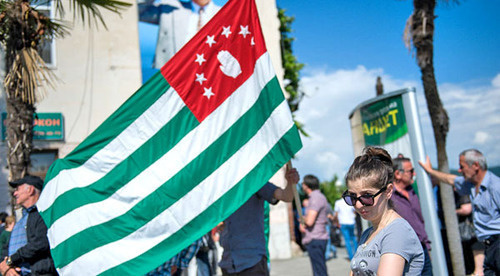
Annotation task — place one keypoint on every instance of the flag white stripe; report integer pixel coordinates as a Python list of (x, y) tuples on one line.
[(141, 130), (205, 194), (163, 169)]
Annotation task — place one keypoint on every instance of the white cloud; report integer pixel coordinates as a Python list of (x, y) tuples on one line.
[(481, 137), (496, 81), (331, 95)]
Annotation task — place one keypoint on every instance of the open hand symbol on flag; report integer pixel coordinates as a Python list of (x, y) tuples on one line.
[(229, 65)]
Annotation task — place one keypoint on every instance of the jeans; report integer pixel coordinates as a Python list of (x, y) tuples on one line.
[(330, 248), (492, 256), (427, 270), (316, 250), (351, 243)]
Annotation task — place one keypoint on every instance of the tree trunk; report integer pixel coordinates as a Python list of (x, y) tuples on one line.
[(422, 30), (19, 138)]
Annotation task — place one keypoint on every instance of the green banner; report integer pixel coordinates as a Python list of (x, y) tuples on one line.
[(384, 121), (46, 126)]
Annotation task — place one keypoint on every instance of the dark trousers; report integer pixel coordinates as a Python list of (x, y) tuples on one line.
[(427, 270), (316, 250), (260, 269), (492, 256), (203, 263)]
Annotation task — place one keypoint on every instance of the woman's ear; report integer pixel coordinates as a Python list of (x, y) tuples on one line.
[(389, 190)]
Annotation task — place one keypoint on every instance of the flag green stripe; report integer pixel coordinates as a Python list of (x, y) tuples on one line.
[(204, 164), (288, 145), (165, 168), (136, 105), (147, 154)]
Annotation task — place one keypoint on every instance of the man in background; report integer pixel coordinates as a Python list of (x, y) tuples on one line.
[(484, 189), (178, 21), (314, 227), (346, 216), (407, 205), (242, 235), (29, 250)]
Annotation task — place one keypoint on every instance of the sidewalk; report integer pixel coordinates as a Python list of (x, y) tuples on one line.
[(300, 266)]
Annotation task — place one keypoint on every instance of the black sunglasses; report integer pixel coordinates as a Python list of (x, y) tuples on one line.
[(366, 199)]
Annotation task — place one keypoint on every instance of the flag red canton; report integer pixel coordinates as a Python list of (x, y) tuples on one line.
[(218, 59)]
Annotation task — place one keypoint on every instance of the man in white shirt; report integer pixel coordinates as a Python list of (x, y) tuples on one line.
[(347, 219), (178, 22)]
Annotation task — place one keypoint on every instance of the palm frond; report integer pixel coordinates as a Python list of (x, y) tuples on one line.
[(407, 33), (29, 77), (85, 10)]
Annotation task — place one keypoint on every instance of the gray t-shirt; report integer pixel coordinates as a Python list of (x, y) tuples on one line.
[(399, 238)]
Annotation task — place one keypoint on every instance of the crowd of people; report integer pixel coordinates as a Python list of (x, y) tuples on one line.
[(378, 188)]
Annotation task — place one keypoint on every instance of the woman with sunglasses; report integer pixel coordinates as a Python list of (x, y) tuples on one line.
[(390, 246)]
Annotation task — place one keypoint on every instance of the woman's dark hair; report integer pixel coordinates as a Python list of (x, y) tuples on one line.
[(374, 166)]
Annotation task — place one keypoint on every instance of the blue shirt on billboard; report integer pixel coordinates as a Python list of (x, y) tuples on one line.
[(485, 204)]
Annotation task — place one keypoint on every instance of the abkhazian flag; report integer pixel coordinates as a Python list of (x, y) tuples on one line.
[(180, 155)]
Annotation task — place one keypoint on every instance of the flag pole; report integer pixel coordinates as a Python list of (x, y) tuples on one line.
[(298, 205)]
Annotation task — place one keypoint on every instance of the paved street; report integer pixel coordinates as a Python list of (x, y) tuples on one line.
[(300, 266)]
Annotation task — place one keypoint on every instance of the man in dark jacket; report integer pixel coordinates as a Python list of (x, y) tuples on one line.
[(29, 250)]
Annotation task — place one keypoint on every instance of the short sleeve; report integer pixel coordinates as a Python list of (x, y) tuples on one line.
[(267, 193), (494, 187), (402, 240), (336, 208), (464, 199), (315, 203), (461, 186)]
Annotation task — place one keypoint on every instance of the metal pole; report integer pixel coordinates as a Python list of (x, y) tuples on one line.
[(425, 190)]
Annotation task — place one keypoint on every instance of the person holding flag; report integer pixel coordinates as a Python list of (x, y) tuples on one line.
[(182, 154), (242, 234)]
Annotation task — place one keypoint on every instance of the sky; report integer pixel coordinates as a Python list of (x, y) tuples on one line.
[(345, 45)]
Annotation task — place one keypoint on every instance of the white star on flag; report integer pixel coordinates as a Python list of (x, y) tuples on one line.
[(244, 31), (208, 92), (210, 40), (200, 78), (226, 31), (200, 59)]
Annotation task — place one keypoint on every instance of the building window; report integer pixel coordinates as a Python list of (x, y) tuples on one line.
[(41, 161), (47, 49)]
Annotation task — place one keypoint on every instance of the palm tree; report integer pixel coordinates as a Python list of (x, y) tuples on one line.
[(420, 32), (23, 29)]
